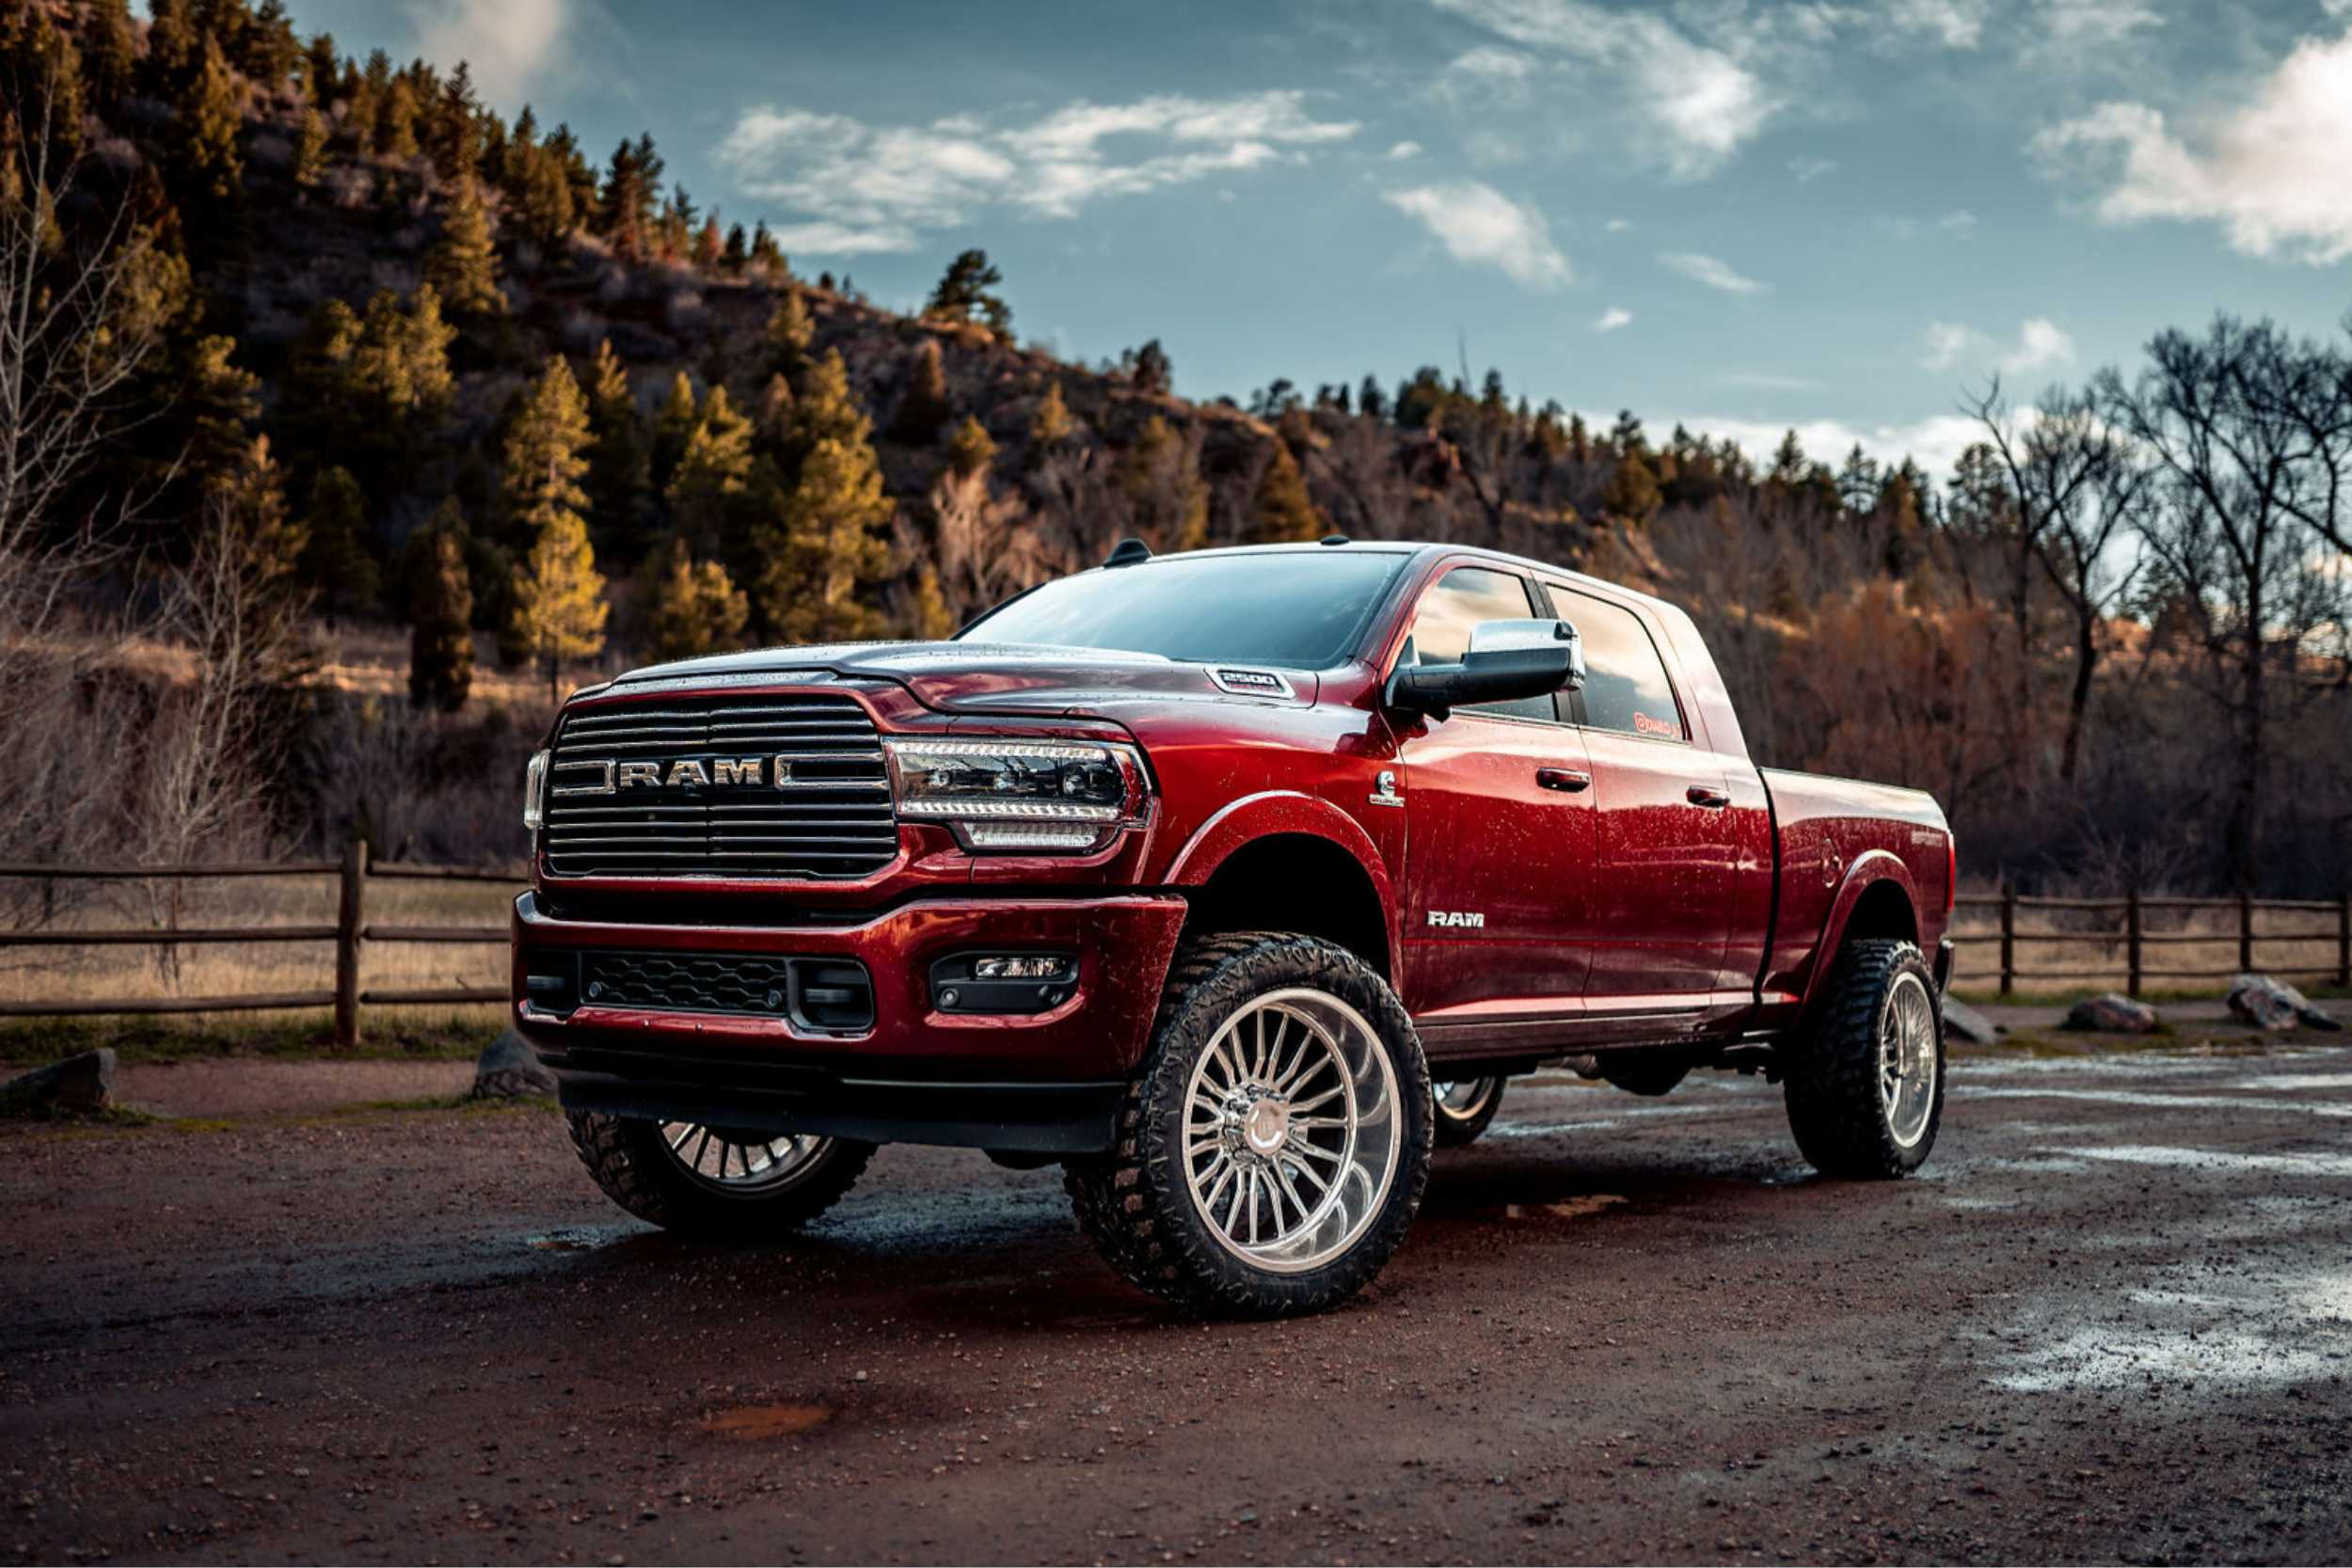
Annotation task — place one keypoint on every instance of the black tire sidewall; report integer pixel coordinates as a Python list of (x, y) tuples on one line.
[(1835, 1106), (631, 1162), (1455, 1130)]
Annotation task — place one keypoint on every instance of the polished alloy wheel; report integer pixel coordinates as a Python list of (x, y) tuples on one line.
[(1292, 1130), (734, 1162), (1907, 1060)]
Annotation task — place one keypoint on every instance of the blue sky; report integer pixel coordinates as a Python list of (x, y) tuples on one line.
[(1741, 217)]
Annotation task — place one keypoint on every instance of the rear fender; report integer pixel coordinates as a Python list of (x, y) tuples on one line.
[(1869, 869)]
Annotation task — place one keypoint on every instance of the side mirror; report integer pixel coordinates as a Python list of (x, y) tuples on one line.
[(1508, 659)]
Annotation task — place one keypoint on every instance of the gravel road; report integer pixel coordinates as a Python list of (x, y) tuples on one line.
[(2113, 1321)]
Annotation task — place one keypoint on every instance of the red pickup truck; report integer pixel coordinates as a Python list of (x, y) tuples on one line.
[(1234, 881)]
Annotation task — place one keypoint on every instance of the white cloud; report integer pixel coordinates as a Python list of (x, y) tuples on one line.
[(1480, 226), (1809, 169), (2041, 345), (2271, 171), (1700, 102), (1954, 23), (507, 43), (1766, 381), (1960, 225), (1613, 318), (1624, 226), (1403, 151), (2075, 23), (869, 188), (1707, 270), (1935, 443)]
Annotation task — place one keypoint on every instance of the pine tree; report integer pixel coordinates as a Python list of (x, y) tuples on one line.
[(321, 72), (619, 465), (171, 49), (738, 254), (1051, 425), (928, 619), (1162, 480), (969, 449), (42, 71), (396, 121), (788, 334), (711, 474), (267, 50), (211, 172), (966, 292), (674, 425), (708, 247), (820, 571), (441, 641), (109, 51), (455, 136), (334, 561), (825, 411), (691, 609), (213, 405), (546, 457), (463, 263), (923, 407), (558, 611), (309, 162), (1280, 511), (1631, 496), (1153, 372), (768, 256)]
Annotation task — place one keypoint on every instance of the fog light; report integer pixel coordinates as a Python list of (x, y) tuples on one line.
[(1022, 966), (1003, 982)]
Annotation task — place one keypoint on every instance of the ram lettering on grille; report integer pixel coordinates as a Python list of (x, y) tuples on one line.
[(790, 786)]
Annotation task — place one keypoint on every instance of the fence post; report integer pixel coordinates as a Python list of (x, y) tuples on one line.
[(2131, 936), (2008, 938), (2344, 940), (347, 919), (2245, 933)]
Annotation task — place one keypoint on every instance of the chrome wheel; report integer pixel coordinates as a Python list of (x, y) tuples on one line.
[(1466, 1098), (734, 1162), (1292, 1130), (1907, 1060)]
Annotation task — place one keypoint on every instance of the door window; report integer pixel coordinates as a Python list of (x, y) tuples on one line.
[(1463, 598), (1626, 687)]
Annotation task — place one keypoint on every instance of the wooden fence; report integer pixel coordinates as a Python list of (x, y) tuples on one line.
[(350, 930), (2331, 923)]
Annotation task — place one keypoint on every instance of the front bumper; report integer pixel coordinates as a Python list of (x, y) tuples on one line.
[(1047, 1082)]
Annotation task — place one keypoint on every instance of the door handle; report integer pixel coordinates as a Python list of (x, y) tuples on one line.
[(1568, 779), (1708, 795)]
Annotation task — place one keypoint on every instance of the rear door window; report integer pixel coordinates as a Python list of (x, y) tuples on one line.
[(1626, 687)]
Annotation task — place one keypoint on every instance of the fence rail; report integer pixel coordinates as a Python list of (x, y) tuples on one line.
[(2136, 939), (349, 933)]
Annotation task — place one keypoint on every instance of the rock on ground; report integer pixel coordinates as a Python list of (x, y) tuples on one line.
[(83, 1083), (2270, 1004), (508, 1068), (1969, 1025), (2112, 1014)]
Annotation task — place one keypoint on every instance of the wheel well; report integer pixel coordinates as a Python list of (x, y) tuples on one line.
[(1883, 910), (1294, 883)]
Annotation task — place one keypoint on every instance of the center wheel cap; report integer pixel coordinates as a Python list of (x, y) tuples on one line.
[(1265, 1125)]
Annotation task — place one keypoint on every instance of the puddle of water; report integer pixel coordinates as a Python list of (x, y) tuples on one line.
[(750, 1423), (2253, 1336), (1543, 1128), (2290, 1083), (2222, 1161), (2166, 1101), (1568, 1209)]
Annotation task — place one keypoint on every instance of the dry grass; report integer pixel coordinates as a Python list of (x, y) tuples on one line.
[(2093, 945)]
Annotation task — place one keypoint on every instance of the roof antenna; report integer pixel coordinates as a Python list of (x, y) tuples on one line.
[(1129, 553)]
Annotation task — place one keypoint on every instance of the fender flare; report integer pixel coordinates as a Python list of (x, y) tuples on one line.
[(1278, 812), (1869, 869)]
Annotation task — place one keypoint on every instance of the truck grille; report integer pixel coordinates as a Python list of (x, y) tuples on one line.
[(816, 993), (790, 786)]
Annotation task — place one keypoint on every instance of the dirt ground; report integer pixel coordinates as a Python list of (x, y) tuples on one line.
[(2113, 1322)]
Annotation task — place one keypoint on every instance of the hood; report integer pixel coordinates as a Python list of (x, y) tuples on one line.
[(992, 677)]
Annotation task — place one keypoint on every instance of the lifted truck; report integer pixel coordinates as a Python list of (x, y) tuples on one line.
[(1192, 872)]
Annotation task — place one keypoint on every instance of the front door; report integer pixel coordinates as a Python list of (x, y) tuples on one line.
[(1666, 849), (1500, 836)]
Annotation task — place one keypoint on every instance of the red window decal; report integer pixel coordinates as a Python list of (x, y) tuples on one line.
[(1645, 725)]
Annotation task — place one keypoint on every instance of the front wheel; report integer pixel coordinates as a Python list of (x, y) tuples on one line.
[(714, 1182), (1274, 1148), (1866, 1086), (1465, 1108)]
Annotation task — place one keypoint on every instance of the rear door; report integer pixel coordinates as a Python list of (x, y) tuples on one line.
[(1665, 839), (1500, 832)]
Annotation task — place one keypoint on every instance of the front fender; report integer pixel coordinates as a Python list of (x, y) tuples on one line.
[(1869, 869), (1283, 810)]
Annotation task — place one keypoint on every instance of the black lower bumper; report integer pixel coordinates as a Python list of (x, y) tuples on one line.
[(1037, 1118)]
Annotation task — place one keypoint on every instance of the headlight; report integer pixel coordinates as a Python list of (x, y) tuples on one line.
[(1054, 796), (536, 791)]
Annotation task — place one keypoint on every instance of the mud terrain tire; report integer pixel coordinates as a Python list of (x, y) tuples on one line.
[(1461, 1125), (630, 1160), (1848, 1120)]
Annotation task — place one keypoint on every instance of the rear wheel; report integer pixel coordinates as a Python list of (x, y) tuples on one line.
[(716, 1181), (1273, 1149), (1465, 1107), (1865, 1087)]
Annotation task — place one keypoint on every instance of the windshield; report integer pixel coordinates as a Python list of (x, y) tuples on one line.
[(1294, 611)]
